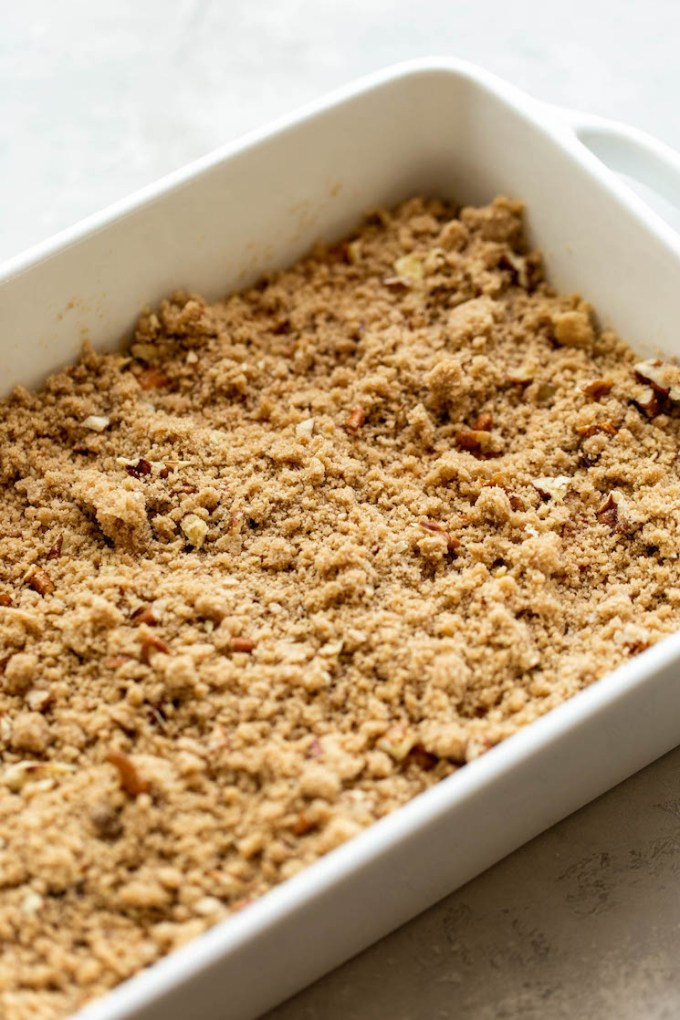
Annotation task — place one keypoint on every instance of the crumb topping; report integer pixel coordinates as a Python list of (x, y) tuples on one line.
[(292, 559)]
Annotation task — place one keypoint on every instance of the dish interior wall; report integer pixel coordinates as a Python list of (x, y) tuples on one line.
[(436, 131)]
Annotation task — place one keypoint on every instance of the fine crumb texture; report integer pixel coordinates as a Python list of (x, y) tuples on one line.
[(298, 556)]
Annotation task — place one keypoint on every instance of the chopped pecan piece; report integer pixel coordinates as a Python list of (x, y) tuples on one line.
[(147, 352), (598, 388), (483, 423), (5, 599), (39, 580), (23, 772), (397, 741), (663, 376), (194, 527), (355, 419), (144, 614), (240, 644), (38, 699), (156, 717), (304, 428), (234, 522), (618, 514), (516, 502), (153, 379), (410, 269), (649, 401), (96, 422), (474, 440), (429, 525), (116, 661), (142, 467), (553, 488), (151, 643), (303, 824), (609, 512), (586, 431), (421, 758), (518, 265), (613, 513), (55, 551), (130, 780), (521, 376), (452, 543)]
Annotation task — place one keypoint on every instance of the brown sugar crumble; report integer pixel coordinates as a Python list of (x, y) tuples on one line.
[(296, 557)]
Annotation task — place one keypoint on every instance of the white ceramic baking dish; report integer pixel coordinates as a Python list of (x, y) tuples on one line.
[(433, 126)]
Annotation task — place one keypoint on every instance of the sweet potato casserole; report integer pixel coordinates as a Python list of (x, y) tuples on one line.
[(293, 558)]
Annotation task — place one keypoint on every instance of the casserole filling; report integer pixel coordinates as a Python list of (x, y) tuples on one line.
[(293, 558)]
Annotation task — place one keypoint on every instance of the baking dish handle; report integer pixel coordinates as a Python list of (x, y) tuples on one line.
[(649, 166)]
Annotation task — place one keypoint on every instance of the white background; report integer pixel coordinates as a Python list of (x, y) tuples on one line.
[(99, 99)]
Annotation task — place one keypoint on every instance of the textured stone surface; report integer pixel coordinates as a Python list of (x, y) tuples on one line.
[(580, 923), (97, 100)]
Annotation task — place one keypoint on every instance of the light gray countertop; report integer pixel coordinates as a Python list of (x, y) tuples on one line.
[(99, 99), (580, 924)]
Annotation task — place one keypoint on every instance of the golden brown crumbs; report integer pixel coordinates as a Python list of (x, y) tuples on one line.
[(297, 557)]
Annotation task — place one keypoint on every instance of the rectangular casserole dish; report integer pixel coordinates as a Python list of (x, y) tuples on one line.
[(433, 127)]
